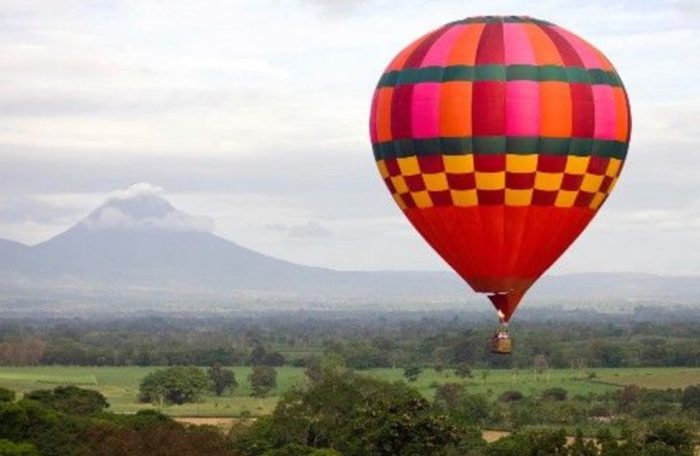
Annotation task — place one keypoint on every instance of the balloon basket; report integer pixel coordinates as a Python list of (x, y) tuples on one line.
[(501, 344)]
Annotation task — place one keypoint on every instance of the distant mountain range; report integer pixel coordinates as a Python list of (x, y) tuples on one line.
[(138, 251)]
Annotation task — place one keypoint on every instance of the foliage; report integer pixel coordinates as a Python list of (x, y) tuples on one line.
[(7, 395), (412, 373), (174, 385), (356, 416), (555, 394), (690, 400), (262, 380), (318, 368), (8, 448), (511, 396), (221, 379), (70, 399), (462, 370)]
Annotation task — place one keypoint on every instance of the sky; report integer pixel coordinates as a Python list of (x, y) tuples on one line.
[(254, 113)]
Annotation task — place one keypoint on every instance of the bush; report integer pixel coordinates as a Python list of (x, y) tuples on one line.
[(511, 396), (555, 394)]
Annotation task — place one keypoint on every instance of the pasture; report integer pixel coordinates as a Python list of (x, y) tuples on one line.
[(120, 384)]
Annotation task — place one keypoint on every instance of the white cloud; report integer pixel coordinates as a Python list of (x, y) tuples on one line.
[(110, 218), (138, 189)]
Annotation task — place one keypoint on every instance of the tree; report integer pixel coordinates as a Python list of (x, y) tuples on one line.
[(690, 400), (175, 385), (412, 373), (262, 380), (356, 416), (463, 371), (221, 379), (70, 399)]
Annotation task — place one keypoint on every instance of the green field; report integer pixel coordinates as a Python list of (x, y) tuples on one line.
[(120, 384)]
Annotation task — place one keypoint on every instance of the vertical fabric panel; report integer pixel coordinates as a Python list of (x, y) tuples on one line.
[(621, 115), (522, 108), (383, 115), (555, 109), (490, 50), (455, 109), (517, 47), (425, 110), (604, 124), (545, 51), (401, 111), (464, 50), (440, 51)]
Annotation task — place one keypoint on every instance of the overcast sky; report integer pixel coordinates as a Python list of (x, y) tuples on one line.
[(254, 113)]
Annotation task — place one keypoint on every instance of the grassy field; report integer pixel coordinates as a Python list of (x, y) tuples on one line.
[(120, 384)]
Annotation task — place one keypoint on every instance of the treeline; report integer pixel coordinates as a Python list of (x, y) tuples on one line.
[(367, 341), (336, 413)]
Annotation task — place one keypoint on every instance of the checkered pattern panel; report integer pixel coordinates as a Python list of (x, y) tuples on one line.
[(510, 179)]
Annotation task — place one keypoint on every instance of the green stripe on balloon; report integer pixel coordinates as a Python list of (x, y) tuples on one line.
[(519, 145), (469, 73)]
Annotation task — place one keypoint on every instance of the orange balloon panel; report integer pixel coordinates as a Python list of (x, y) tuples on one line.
[(500, 138)]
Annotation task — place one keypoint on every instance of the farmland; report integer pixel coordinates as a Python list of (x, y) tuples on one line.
[(120, 384)]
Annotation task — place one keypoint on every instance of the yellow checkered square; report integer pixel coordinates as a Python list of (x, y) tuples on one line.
[(399, 201), (576, 165), (435, 182), (591, 182), (490, 181), (613, 167), (597, 200), (518, 197), (422, 199), (565, 198), (458, 164), (521, 163), (399, 184), (548, 181), (409, 165), (382, 169), (464, 198)]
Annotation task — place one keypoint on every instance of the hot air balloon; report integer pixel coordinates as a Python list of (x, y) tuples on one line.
[(500, 137)]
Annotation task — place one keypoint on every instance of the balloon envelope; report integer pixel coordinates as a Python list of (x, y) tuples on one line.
[(500, 138)]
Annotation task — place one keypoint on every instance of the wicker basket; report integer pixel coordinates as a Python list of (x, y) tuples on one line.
[(501, 345)]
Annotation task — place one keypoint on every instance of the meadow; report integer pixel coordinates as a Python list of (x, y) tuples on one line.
[(120, 384)]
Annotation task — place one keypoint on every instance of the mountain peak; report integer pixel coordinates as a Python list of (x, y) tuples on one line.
[(141, 207)]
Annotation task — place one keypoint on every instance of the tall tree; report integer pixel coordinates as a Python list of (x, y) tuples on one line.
[(262, 380), (221, 379)]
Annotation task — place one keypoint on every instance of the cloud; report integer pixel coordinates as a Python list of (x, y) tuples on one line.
[(110, 218), (135, 190), (312, 229)]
